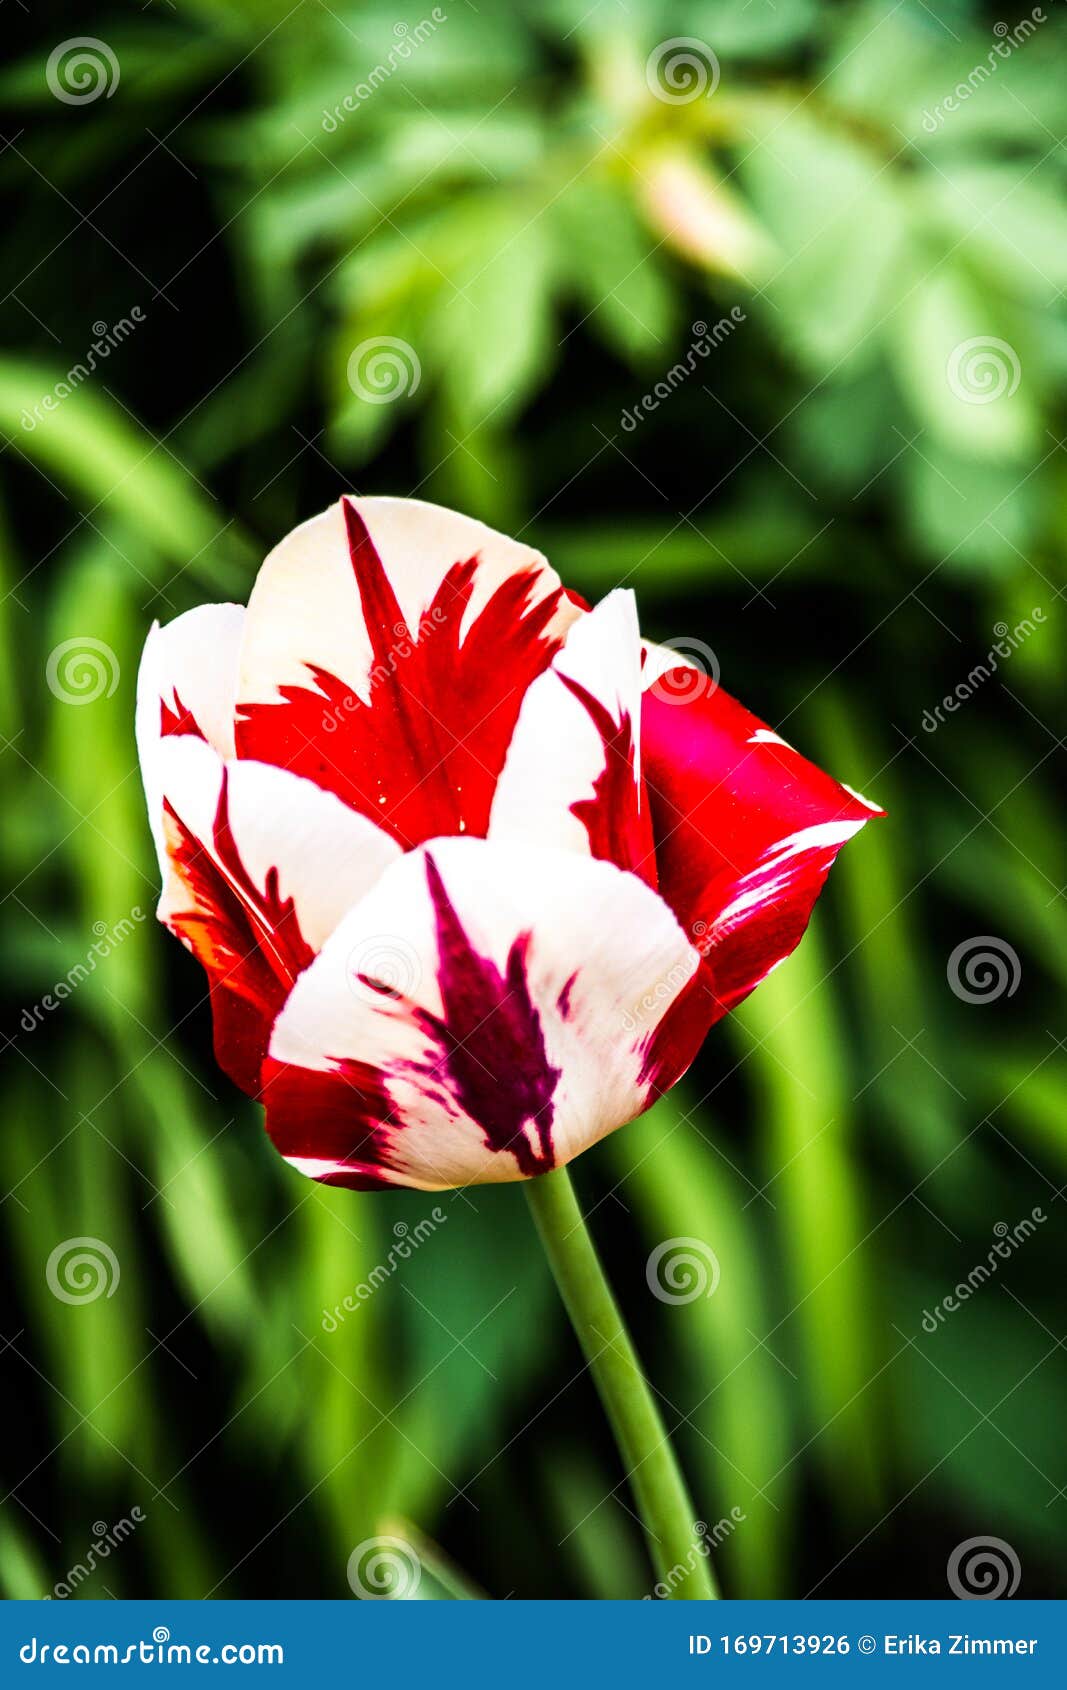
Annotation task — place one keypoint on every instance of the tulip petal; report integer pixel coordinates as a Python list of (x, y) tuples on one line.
[(187, 684), (572, 776), (261, 867), (746, 831), (388, 646), (483, 1015)]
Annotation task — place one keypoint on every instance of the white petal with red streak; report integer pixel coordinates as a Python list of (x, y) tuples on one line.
[(305, 606), (556, 752), (188, 665), (327, 857), (605, 959)]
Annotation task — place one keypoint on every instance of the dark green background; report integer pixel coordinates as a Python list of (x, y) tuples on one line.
[(817, 504)]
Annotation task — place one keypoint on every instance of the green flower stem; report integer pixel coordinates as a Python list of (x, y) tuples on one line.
[(652, 1468)]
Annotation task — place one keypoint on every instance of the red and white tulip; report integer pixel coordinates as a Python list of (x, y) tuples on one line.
[(470, 867)]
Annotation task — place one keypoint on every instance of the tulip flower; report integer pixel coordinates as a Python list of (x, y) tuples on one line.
[(471, 869)]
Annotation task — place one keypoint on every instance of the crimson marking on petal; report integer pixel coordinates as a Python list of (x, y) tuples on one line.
[(615, 818), (248, 940), (339, 1117), (563, 1002), (491, 1038), (178, 719), (421, 757)]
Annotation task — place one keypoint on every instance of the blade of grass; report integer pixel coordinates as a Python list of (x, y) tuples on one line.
[(793, 1050), (742, 1396)]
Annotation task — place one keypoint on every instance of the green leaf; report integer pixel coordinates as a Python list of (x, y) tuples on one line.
[(23, 1576), (122, 472), (494, 332), (840, 220), (611, 266), (738, 1390), (1014, 229), (966, 376), (793, 1046), (969, 516)]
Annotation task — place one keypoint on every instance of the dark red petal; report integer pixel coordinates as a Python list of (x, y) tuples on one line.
[(746, 831)]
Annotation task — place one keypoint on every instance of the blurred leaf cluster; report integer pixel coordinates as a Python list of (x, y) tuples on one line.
[(848, 498)]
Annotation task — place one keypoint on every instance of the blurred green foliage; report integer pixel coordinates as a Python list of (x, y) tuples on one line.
[(847, 498)]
